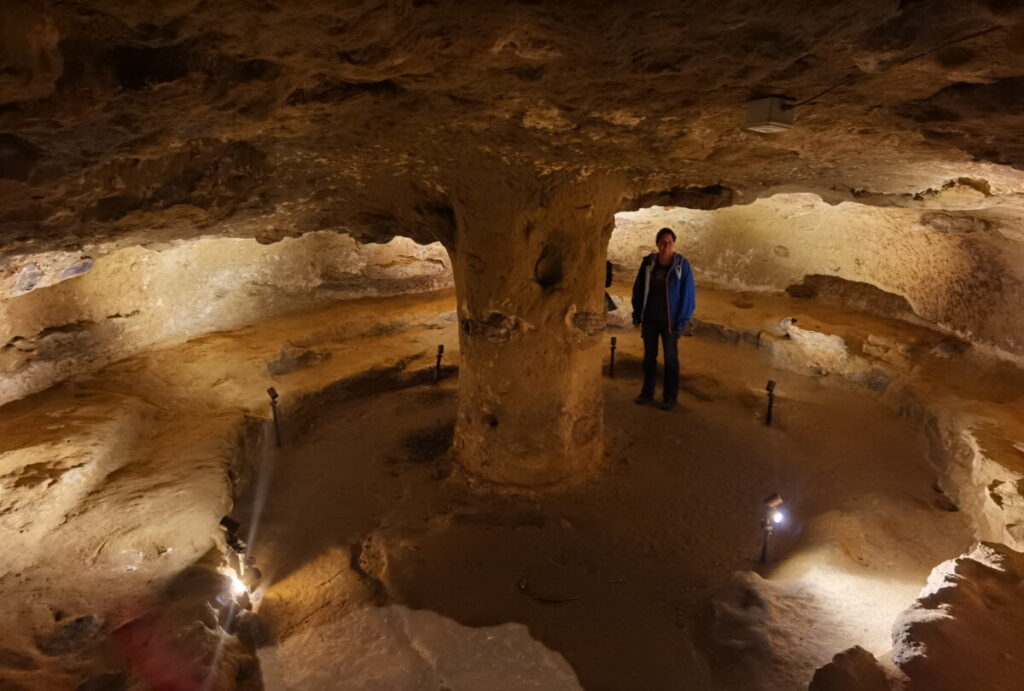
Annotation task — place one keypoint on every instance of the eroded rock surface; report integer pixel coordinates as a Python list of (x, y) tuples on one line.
[(111, 490), (854, 669), (398, 648), (531, 313), (207, 385), (834, 580), (965, 630), (890, 262), (165, 120), (76, 316), (484, 128), (977, 450), (154, 123)]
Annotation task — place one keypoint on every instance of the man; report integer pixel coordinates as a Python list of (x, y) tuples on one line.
[(663, 302)]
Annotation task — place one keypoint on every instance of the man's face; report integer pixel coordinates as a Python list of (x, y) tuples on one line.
[(666, 245)]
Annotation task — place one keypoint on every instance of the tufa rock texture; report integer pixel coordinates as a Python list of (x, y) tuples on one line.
[(960, 271), (77, 316), (399, 648), (531, 316), (975, 597), (854, 669), (511, 135), (169, 119)]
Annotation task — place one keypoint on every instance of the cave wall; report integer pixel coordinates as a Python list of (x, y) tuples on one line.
[(137, 298), (961, 271)]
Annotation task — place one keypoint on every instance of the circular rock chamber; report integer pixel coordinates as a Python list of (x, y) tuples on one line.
[(318, 367)]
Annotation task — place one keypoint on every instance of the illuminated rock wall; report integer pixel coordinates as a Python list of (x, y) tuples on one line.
[(137, 298), (960, 270)]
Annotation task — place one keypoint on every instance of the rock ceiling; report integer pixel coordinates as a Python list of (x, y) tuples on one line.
[(145, 121)]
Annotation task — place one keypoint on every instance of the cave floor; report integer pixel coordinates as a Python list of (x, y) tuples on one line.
[(616, 572), (114, 482)]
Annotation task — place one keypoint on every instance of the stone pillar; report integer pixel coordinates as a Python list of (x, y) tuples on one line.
[(528, 257)]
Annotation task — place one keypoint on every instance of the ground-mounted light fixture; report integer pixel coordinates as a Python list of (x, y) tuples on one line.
[(437, 367), (272, 392), (770, 114), (774, 516), (241, 571)]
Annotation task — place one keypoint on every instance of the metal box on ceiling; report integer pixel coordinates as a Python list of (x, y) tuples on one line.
[(770, 114)]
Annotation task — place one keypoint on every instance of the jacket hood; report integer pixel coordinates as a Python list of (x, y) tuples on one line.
[(677, 258)]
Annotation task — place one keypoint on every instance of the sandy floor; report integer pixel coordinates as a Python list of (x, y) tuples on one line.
[(644, 576), (616, 574)]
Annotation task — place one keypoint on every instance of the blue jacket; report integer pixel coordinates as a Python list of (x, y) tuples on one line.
[(679, 284)]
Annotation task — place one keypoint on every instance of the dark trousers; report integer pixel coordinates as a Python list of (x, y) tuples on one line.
[(651, 333)]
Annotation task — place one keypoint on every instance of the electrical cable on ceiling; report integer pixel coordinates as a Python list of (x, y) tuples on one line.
[(850, 79), (847, 79)]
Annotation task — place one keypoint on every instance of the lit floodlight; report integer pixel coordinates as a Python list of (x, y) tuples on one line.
[(237, 586), (774, 515)]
